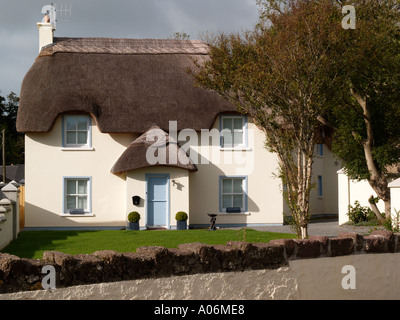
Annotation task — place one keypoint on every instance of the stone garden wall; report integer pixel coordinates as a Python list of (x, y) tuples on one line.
[(17, 274)]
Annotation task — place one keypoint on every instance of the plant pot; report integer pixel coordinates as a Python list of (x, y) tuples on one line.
[(181, 225), (133, 226)]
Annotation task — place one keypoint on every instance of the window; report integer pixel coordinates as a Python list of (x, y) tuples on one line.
[(233, 131), (77, 195), (320, 193), (77, 131), (233, 194), (320, 150)]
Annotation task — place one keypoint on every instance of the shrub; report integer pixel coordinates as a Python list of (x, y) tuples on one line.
[(181, 216), (393, 223), (134, 216), (358, 214)]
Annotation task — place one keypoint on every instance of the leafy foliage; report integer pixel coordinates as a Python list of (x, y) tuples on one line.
[(358, 213), (367, 114), (280, 76), (181, 216), (133, 216), (14, 141)]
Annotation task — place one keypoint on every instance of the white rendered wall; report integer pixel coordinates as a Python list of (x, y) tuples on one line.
[(265, 200), (46, 164), (351, 191), (178, 192), (327, 167)]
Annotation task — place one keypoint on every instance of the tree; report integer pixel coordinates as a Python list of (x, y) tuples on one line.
[(14, 141), (280, 76), (366, 119)]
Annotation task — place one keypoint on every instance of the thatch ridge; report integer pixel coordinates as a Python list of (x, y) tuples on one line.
[(125, 46)]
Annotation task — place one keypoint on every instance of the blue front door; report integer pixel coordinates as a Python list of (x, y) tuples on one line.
[(157, 200)]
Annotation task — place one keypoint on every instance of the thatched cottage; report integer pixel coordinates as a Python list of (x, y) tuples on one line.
[(117, 125)]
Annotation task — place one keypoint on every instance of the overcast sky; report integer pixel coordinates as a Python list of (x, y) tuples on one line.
[(111, 18)]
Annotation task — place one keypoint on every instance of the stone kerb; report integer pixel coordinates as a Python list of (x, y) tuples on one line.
[(17, 274)]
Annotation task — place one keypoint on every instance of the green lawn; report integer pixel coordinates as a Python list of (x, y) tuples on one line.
[(32, 244)]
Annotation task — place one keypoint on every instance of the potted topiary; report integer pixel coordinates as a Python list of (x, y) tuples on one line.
[(181, 220), (133, 220)]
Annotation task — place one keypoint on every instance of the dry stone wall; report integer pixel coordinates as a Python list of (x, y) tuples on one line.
[(18, 274)]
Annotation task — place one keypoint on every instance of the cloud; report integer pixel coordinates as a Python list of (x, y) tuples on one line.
[(117, 18)]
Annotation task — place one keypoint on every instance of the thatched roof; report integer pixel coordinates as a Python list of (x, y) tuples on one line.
[(153, 148), (125, 84)]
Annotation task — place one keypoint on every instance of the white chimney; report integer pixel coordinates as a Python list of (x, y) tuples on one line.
[(47, 26), (46, 32)]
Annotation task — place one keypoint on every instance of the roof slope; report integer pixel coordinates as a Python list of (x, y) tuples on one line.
[(125, 84), (153, 148)]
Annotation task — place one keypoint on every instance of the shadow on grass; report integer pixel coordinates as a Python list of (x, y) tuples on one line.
[(32, 244), (29, 243)]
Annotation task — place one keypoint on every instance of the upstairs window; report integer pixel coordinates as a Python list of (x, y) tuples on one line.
[(233, 131), (77, 131)]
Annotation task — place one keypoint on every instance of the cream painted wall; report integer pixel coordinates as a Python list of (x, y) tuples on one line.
[(395, 200), (351, 191), (265, 201), (46, 164), (327, 167), (178, 192)]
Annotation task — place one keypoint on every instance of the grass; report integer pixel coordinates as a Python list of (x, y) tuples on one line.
[(32, 244)]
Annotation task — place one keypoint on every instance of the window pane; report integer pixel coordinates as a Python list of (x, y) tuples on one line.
[(71, 137), (226, 201), (71, 123), (71, 187), (238, 201), (237, 186), (237, 138), (227, 185), (71, 203), (227, 136), (82, 123), (82, 187), (238, 123), (227, 123), (82, 203), (320, 186), (320, 149), (82, 137)]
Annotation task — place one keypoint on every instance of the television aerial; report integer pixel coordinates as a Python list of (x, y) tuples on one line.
[(50, 13)]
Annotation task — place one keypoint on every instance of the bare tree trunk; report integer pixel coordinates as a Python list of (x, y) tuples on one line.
[(296, 174), (304, 232), (377, 180)]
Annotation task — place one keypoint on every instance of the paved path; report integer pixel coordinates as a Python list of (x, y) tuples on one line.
[(329, 228)]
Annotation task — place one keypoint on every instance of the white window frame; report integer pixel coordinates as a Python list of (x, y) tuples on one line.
[(243, 193), (88, 195), (77, 146), (243, 130)]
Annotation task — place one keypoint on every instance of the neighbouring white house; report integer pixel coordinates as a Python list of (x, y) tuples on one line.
[(117, 125), (350, 191)]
